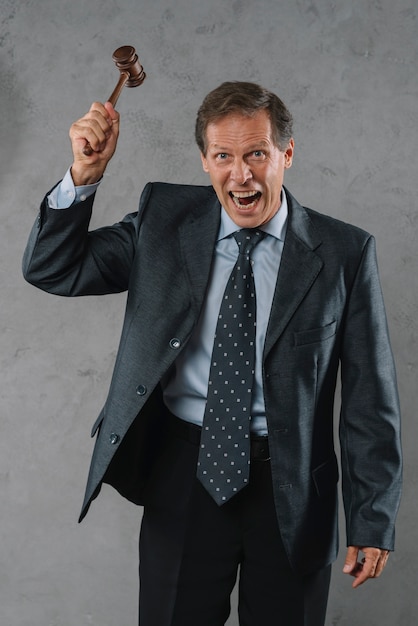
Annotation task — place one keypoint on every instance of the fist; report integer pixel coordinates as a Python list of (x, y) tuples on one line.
[(100, 129)]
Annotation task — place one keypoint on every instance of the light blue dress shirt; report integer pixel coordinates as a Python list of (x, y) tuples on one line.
[(185, 385), (65, 194)]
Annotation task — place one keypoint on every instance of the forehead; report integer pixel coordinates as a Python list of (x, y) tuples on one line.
[(237, 128)]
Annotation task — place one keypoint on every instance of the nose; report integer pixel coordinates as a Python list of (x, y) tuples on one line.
[(241, 172)]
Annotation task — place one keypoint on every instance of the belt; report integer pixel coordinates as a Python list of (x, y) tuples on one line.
[(191, 433)]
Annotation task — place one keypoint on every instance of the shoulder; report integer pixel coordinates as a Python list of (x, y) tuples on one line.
[(327, 221), (326, 227), (166, 206), (177, 193), (338, 230)]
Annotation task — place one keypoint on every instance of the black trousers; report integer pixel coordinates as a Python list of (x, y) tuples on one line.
[(191, 551)]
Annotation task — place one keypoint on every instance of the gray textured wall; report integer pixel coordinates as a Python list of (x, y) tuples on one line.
[(348, 71)]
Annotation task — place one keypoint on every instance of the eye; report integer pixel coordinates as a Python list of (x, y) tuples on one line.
[(222, 156), (257, 156)]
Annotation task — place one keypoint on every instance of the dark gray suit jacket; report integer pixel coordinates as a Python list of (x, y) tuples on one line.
[(327, 312)]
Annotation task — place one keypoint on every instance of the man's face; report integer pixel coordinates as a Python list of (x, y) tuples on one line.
[(245, 167)]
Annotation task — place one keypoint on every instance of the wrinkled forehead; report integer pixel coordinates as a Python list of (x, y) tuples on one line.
[(240, 127)]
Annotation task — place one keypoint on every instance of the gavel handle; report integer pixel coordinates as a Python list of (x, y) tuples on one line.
[(123, 78)]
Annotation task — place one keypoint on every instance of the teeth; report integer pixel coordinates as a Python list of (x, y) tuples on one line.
[(244, 194), (241, 198), (245, 199)]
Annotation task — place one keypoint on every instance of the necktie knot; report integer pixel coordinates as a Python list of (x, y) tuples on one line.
[(247, 239)]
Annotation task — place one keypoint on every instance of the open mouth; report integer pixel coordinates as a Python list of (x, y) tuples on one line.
[(246, 199)]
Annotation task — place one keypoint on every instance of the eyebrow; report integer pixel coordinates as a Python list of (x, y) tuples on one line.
[(255, 146)]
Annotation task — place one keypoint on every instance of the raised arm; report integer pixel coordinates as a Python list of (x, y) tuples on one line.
[(62, 256)]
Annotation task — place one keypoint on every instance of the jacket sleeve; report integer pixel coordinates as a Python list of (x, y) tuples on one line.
[(63, 257), (370, 415)]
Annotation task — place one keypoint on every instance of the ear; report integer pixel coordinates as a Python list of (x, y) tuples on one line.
[(204, 162), (288, 154)]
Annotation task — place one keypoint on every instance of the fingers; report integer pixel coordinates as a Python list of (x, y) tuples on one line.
[(96, 127), (99, 129), (352, 565), (381, 563), (371, 565), (351, 559)]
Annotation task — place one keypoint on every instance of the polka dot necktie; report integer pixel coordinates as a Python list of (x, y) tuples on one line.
[(224, 456)]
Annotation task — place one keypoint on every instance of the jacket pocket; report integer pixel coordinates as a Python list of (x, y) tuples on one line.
[(314, 335), (325, 476)]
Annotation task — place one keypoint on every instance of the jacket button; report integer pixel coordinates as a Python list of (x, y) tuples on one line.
[(141, 390), (113, 438), (175, 343)]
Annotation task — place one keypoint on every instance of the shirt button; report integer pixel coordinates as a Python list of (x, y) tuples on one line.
[(141, 390), (175, 343), (113, 438), (83, 197)]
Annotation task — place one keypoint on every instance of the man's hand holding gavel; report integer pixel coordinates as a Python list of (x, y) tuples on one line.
[(100, 128), (94, 136)]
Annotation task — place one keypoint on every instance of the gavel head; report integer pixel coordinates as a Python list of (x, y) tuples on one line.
[(126, 60)]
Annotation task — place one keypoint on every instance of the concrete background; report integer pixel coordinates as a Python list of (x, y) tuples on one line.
[(348, 71)]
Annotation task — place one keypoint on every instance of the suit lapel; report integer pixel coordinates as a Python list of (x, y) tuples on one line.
[(197, 240), (299, 268)]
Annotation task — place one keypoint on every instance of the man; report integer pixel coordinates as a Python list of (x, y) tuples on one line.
[(222, 490)]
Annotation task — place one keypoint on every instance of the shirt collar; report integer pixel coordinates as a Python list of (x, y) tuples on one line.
[(276, 226)]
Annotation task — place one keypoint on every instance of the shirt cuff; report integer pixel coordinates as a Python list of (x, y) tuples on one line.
[(66, 194)]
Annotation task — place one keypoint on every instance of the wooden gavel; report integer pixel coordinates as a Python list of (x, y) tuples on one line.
[(131, 74)]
